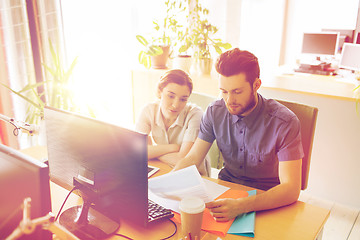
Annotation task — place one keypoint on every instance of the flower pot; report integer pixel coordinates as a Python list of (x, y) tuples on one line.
[(183, 62), (160, 61), (202, 66)]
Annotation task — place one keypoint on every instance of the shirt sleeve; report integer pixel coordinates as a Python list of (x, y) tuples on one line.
[(206, 126), (290, 147), (193, 124), (143, 123)]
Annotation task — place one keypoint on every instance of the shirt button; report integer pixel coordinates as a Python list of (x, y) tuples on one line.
[(241, 149), (241, 131)]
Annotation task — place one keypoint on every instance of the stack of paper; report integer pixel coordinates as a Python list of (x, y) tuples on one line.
[(167, 190)]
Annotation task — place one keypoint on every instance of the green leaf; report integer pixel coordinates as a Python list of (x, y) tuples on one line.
[(55, 58), (142, 40), (227, 45), (49, 69), (154, 50), (140, 57), (218, 49), (183, 48), (23, 97), (32, 86), (147, 62), (41, 103), (144, 59)]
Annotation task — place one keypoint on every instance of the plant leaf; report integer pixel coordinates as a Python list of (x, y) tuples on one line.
[(147, 62), (23, 97), (218, 49), (183, 48), (32, 86), (154, 50), (142, 40)]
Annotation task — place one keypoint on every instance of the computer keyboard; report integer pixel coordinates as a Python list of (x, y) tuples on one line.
[(313, 71), (157, 212)]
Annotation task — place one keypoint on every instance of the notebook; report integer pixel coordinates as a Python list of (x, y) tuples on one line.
[(152, 170)]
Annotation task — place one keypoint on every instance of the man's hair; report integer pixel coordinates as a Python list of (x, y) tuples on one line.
[(236, 61), (175, 76)]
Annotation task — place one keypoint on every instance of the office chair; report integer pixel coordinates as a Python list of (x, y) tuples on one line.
[(203, 100), (307, 116)]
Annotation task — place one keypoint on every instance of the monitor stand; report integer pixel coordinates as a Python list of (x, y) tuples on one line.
[(87, 223)]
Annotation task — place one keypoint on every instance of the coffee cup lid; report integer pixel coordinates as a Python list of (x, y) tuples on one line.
[(192, 205)]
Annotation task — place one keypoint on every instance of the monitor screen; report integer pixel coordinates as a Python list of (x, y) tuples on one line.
[(109, 160), (346, 35), (21, 177), (320, 44), (350, 57)]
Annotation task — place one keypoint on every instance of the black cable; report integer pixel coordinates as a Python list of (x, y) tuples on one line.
[(57, 216), (118, 234), (16, 128), (173, 232)]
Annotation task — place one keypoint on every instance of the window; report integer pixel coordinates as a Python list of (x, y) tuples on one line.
[(101, 34), (22, 52), (16, 68)]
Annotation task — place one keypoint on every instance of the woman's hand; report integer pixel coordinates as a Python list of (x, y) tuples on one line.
[(174, 147)]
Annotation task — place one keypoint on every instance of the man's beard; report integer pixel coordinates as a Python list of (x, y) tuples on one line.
[(249, 106)]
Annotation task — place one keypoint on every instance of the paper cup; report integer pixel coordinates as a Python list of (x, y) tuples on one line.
[(191, 210)]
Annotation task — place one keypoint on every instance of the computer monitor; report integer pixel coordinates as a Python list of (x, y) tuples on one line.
[(320, 44), (346, 36), (350, 57), (106, 162), (22, 177)]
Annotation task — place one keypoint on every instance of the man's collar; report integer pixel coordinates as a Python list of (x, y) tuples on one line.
[(251, 118)]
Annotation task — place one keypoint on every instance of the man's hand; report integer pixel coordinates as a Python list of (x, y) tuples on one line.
[(225, 209)]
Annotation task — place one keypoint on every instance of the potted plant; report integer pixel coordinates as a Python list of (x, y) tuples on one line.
[(157, 50), (183, 59), (149, 50), (202, 39), (56, 93)]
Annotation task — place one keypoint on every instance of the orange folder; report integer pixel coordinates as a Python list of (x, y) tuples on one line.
[(209, 224)]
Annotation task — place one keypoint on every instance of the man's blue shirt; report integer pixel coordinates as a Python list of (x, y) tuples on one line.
[(252, 146)]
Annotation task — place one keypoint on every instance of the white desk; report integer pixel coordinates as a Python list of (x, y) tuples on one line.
[(296, 221)]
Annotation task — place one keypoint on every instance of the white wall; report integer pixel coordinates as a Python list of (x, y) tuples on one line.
[(251, 25), (314, 15), (335, 162)]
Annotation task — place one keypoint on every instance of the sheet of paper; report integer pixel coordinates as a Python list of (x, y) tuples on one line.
[(214, 189), (168, 189)]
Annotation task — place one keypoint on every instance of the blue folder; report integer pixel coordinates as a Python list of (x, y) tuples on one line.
[(244, 225)]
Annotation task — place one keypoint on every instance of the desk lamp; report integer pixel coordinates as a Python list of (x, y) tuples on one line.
[(31, 129)]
